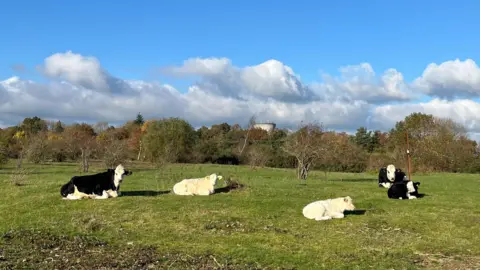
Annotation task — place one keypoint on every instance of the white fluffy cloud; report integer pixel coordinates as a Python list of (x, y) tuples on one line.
[(78, 69), (361, 83), (270, 79), (450, 79), (80, 89), (462, 111)]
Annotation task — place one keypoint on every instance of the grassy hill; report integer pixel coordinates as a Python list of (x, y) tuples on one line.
[(258, 227)]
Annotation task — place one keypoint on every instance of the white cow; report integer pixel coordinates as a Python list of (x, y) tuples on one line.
[(328, 209), (197, 186)]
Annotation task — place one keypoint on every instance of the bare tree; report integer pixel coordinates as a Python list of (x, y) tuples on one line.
[(80, 138), (21, 138), (257, 156), (307, 146), (251, 123), (100, 127), (37, 149), (114, 152)]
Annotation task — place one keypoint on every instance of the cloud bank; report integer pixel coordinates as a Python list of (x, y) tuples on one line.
[(78, 88)]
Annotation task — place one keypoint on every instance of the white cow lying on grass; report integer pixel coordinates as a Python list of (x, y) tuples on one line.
[(197, 186), (328, 209)]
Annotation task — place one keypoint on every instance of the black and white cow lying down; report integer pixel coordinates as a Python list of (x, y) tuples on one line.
[(96, 186), (404, 190), (389, 175)]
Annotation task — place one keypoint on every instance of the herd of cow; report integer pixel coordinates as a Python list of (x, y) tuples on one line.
[(399, 186), (107, 184)]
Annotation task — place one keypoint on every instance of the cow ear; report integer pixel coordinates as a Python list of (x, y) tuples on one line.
[(417, 183)]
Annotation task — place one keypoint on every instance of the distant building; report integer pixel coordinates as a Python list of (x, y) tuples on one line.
[(269, 127)]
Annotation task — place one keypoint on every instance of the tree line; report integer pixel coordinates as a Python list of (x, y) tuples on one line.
[(435, 145)]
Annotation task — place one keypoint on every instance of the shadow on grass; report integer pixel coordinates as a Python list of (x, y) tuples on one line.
[(226, 189), (232, 186), (355, 212), (146, 193), (356, 180)]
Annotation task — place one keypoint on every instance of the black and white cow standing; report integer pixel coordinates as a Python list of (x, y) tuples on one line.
[(404, 190), (97, 186)]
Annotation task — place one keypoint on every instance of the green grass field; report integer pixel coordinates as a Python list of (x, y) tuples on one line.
[(258, 227)]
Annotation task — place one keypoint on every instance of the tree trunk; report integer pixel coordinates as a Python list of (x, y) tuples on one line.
[(85, 165), (244, 142), (139, 151), (302, 170), (19, 161), (84, 160)]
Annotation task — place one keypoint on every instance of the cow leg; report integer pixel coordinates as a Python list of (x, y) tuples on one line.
[(386, 185), (104, 196), (410, 196), (338, 215), (92, 196), (323, 218), (112, 193), (72, 197), (204, 192)]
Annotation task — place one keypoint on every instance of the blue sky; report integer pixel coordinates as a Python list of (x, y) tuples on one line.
[(130, 37), (135, 39)]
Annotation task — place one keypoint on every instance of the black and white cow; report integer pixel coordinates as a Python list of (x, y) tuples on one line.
[(97, 186), (386, 176), (404, 190)]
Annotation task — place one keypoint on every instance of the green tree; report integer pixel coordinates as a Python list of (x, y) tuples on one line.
[(139, 120), (33, 125), (436, 144), (362, 137), (169, 140), (367, 140), (3, 147), (375, 141)]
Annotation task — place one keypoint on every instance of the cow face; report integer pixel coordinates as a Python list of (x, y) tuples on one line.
[(120, 172), (391, 173), (348, 203), (214, 177)]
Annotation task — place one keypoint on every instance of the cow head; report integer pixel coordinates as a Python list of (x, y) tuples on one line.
[(348, 202), (391, 172), (213, 178), (120, 172)]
